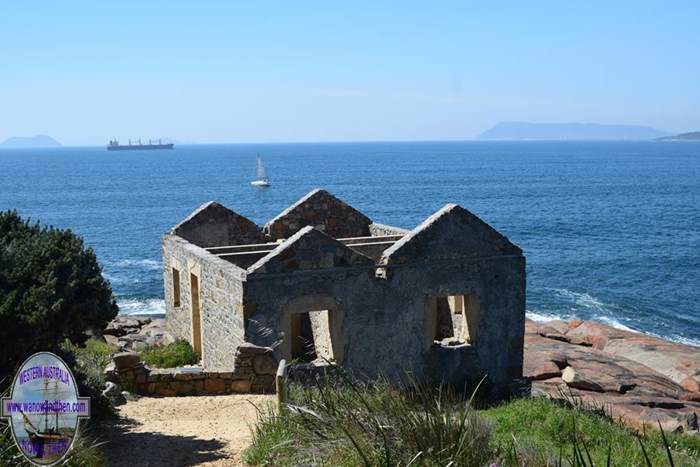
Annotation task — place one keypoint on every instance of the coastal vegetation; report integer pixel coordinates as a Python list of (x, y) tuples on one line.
[(51, 289), (52, 296), (374, 424), (88, 362), (179, 353)]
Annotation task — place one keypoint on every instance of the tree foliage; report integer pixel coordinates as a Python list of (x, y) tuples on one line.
[(51, 289)]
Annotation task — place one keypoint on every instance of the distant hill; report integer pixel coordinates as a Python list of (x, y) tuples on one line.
[(569, 131), (691, 136), (39, 141)]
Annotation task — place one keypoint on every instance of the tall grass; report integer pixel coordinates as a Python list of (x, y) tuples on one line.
[(373, 424), (360, 424)]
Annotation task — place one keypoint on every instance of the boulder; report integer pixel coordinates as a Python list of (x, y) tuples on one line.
[(111, 340), (680, 363), (635, 378), (126, 360)]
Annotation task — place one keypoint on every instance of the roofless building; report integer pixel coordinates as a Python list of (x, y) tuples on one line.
[(323, 282)]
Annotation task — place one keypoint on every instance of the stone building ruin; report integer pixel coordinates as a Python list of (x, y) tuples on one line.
[(323, 282)]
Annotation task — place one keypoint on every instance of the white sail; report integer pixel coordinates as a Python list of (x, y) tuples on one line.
[(261, 179), (261, 169)]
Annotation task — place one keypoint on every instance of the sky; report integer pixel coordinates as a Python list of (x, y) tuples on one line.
[(228, 71)]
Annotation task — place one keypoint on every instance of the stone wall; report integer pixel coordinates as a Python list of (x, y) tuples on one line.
[(254, 373), (382, 320), (220, 298), (372, 250), (215, 225), (309, 249), (387, 323), (322, 210)]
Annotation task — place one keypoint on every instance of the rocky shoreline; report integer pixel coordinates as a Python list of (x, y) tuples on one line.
[(635, 378), (137, 332)]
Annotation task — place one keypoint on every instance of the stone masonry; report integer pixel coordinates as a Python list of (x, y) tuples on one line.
[(255, 369), (321, 282)]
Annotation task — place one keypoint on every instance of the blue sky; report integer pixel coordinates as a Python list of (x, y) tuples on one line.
[(84, 72)]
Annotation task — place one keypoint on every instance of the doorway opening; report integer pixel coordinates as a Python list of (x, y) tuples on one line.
[(312, 329), (302, 336)]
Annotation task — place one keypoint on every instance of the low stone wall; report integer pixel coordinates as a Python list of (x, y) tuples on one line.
[(254, 372)]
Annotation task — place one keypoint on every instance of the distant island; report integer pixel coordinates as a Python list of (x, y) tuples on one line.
[(690, 136), (38, 141), (569, 131)]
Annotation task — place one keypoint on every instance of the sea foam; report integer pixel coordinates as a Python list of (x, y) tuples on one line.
[(136, 306)]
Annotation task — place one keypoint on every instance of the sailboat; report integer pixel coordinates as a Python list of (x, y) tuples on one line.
[(261, 179)]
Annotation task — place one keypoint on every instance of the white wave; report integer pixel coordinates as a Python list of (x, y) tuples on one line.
[(612, 322), (150, 264), (541, 317), (581, 299), (684, 340), (135, 306)]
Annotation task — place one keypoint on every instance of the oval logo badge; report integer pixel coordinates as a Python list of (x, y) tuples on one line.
[(44, 409)]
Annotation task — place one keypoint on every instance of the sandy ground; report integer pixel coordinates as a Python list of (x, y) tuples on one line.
[(183, 431)]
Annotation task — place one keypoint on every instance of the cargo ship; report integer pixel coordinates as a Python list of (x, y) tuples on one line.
[(115, 146)]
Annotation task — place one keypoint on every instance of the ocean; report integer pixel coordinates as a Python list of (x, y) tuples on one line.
[(611, 230)]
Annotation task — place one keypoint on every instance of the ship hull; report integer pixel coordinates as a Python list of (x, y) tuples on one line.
[(140, 147)]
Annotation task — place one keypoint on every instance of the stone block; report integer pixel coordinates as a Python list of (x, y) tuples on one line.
[(184, 388), (244, 362), (125, 360), (264, 380), (244, 373), (165, 391), (265, 365), (241, 386), (252, 349), (214, 385), (180, 376)]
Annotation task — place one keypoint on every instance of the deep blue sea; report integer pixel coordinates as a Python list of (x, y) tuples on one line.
[(611, 231)]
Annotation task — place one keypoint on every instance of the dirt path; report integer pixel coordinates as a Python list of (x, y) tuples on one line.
[(183, 431)]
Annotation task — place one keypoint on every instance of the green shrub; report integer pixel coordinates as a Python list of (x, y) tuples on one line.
[(88, 363), (179, 353), (51, 289)]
